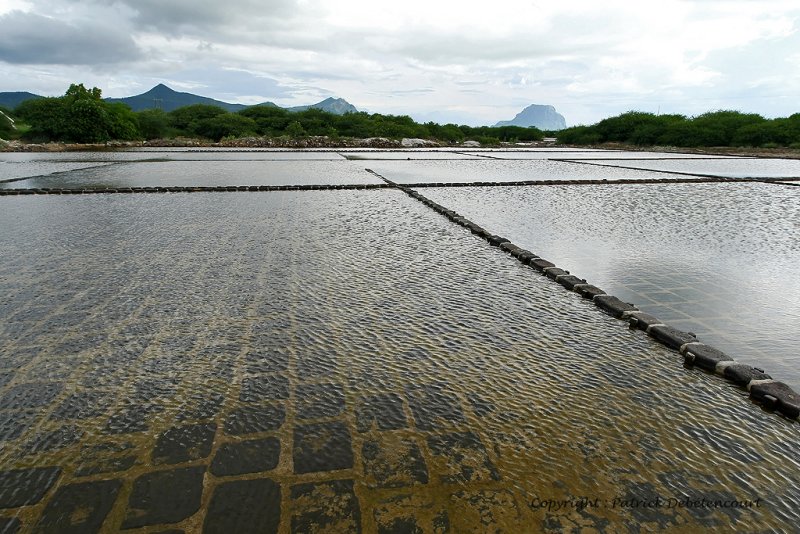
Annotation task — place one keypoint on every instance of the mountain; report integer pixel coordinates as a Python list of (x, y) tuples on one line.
[(167, 99), (13, 99), (163, 97), (337, 106), (542, 117)]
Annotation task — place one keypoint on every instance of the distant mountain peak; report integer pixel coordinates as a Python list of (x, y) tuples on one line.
[(544, 117), (166, 98), (338, 106)]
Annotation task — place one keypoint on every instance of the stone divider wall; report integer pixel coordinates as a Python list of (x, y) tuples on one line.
[(189, 189), (772, 394)]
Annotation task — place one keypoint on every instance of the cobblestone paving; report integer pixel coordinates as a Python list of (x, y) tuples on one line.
[(341, 361)]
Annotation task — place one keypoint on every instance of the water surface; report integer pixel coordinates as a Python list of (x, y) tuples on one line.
[(352, 360), (719, 260)]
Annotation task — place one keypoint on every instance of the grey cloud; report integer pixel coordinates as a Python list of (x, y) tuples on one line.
[(176, 17), (28, 38)]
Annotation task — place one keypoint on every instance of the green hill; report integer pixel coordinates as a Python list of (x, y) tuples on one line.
[(162, 97)]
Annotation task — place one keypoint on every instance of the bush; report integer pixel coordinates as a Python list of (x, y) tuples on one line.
[(269, 120), (6, 126), (80, 116), (226, 125), (295, 129), (579, 135), (153, 123), (187, 119)]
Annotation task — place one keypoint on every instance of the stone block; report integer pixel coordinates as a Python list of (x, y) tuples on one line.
[(30, 395), (461, 458), (252, 506), (554, 272), (526, 256), (252, 419), (570, 281), (509, 247), (742, 374), (264, 387), (642, 320), (613, 305), (778, 396), (540, 264), (319, 400), (703, 356), (78, 508), (383, 411), (391, 461), (588, 291), (164, 497), (9, 525), (184, 444), (434, 408), (325, 507), (21, 487), (671, 337), (322, 447), (496, 240), (249, 456)]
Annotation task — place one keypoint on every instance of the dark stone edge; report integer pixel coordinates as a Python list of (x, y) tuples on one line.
[(677, 179), (770, 393), (191, 189)]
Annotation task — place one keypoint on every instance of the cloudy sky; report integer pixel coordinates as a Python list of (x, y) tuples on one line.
[(442, 60)]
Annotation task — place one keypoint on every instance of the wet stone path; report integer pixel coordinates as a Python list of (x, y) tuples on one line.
[(343, 361)]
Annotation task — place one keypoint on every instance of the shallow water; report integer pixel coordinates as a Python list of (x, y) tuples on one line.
[(719, 260), (409, 155), (346, 361), (730, 167), (587, 154), (16, 170), (494, 170), (165, 154), (203, 173)]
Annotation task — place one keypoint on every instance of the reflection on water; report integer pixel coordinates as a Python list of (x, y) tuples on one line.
[(342, 361), (16, 170), (166, 154), (719, 260), (495, 170), (587, 155), (731, 168), (204, 173)]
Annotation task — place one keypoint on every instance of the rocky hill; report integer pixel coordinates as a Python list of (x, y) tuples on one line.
[(337, 106), (540, 116)]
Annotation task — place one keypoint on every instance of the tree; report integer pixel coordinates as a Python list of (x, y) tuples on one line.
[(6, 124), (187, 118), (79, 116), (123, 122), (153, 123), (226, 125), (295, 129), (725, 123), (46, 117), (270, 120)]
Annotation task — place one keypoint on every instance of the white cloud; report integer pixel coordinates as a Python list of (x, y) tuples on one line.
[(481, 62)]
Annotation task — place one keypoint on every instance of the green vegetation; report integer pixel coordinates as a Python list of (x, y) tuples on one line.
[(82, 116), (718, 128), (7, 129), (79, 116)]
